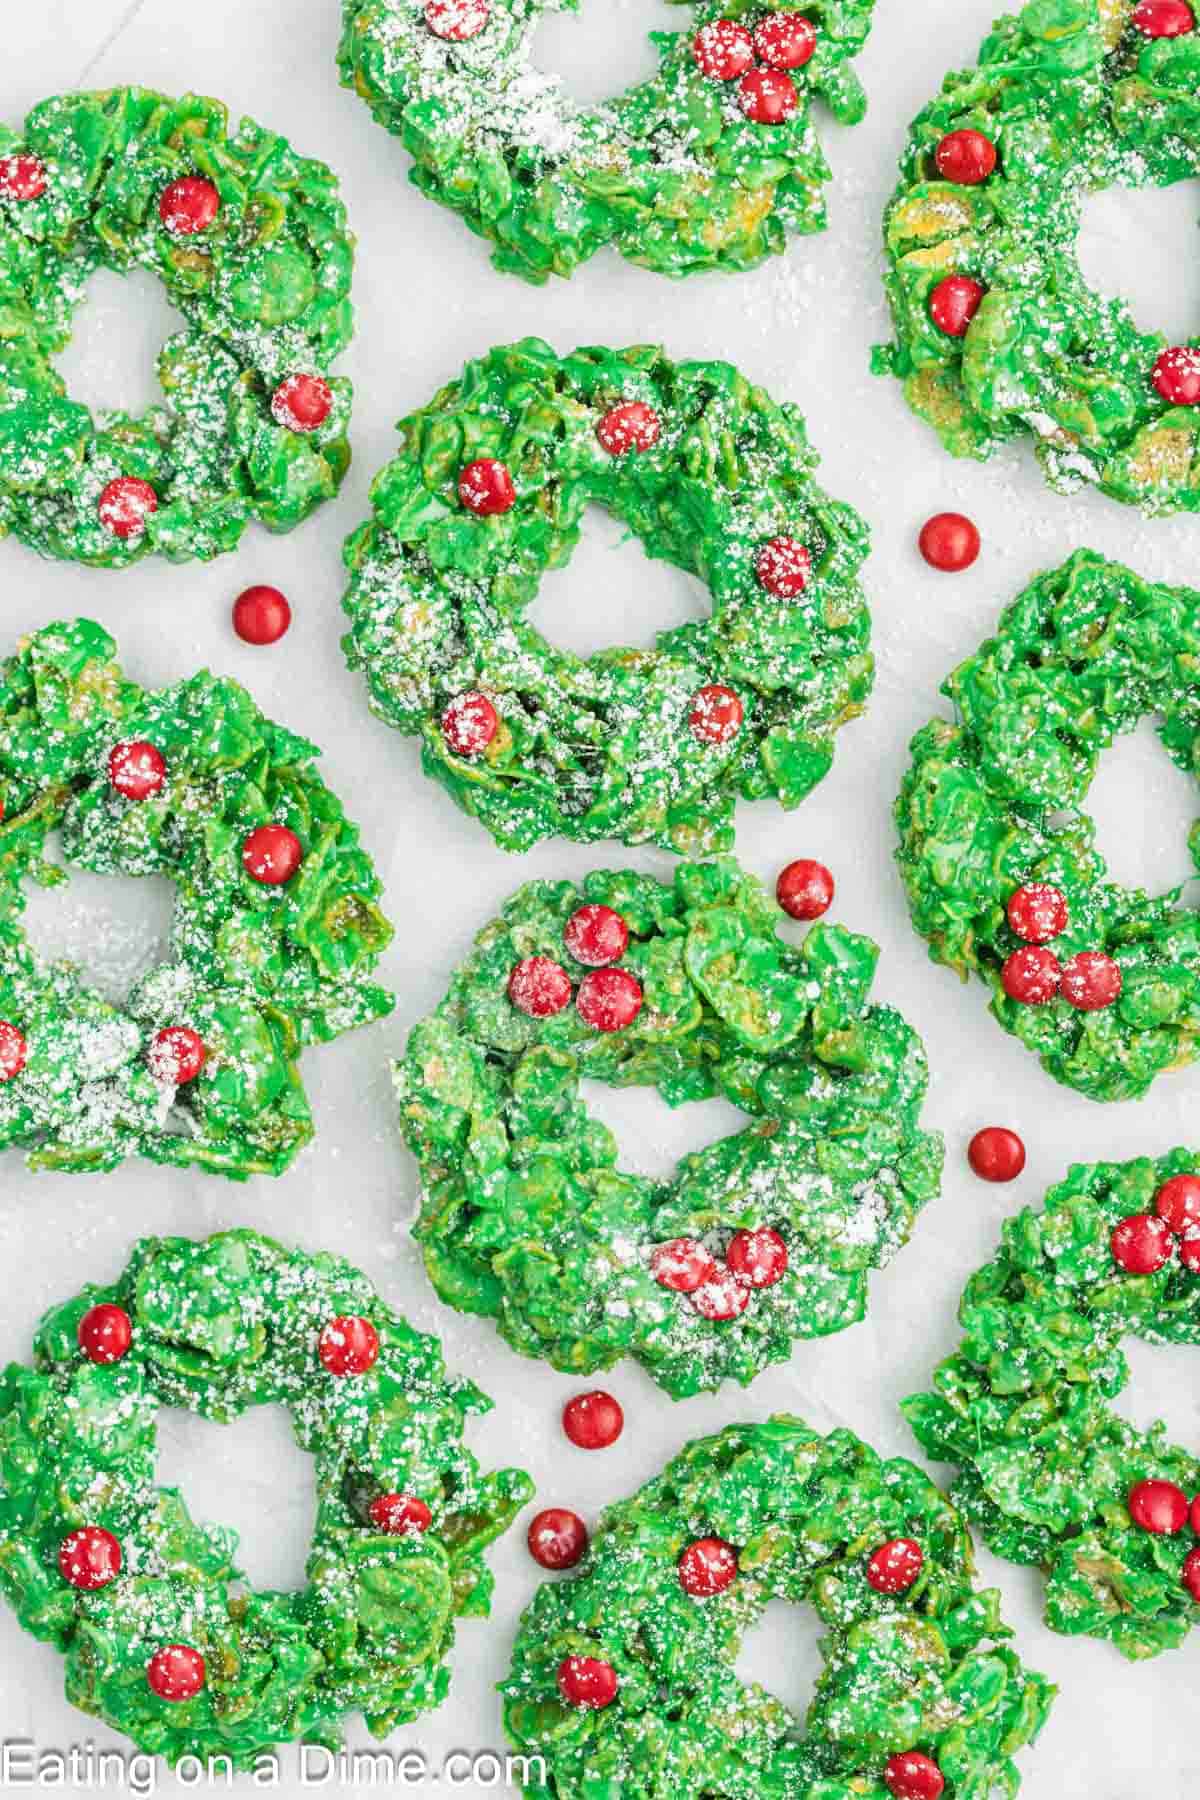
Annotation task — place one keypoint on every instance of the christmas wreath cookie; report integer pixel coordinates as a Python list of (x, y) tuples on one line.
[(163, 1637), (709, 473), (997, 332), (624, 1676), (762, 1237), (712, 164), (276, 928), (996, 850), (250, 243), (1049, 1470)]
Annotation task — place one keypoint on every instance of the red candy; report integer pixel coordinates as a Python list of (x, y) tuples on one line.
[(177, 1055), (895, 1566), (1178, 1202), (759, 1258), (271, 854), (557, 1538), (136, 769), (596, 935), (1189, 1256), (1031, 976), (22, 177), (539, 987), (89, 1558), (125, 505), (965, 157), (633, 426), (302, 403), (725, 1296), (188, 206), (1091, 981), (1191, 1574), (1176, 375), (682, 1265), (950, 542), (912, 1776), (176, 1672), (785, 40), (609, 999), (723, 50), (399, 1515), (783, 567), (767, 97), (1159, 1507), (954, 303), (486, 488), (469, 724), (456, 20), (348, 1345), (1142, 1244), (594, 1420), (105, 1333), (708, 1567), (14, 1051), (585, 1681), (996, 1154), (805, 889), (716, 714), (1164, 18), (261, 615), (1037, 912)]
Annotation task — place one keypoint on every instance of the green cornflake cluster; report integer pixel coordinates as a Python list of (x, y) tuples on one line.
[(221, 1325), (1075, 99), (1025, 1407), (925, 1670), (525, 1216), (258, 971), (264, 293), (601, 747), (672, 173), (995, 800)]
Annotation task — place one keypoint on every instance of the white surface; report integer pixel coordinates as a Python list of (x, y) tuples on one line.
[(427, 299)]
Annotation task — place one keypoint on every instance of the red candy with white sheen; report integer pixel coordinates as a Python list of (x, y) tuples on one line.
[(1164, 18), (632, 426), (188, 205), (176, 1672), (176, 1055), (455, 21), (348, 1345), (105, 1333), (594, 1420), (767, 97), (136, 769), (539, 987), (707, 1567), (783, 567), (609, 999), (486, 488), (759, 1258), (894, 1567), (1177, 1203), (1031, 976), (271, 854), (1037, 912), (261, 615), (89, 1558), (596, 935), (785, 40), (954, 303), (682, 1265), (911, 1775), (949, 542), (557, 1538), (14, 1051), (124, 506), (716, 714), (22, 177), (302, 403), (724, 1296), (805, 889), (1158, 1507), (400, 1515), (587, 1681), (1142, 1244), (965, 157), (996, 1154), (469, 724), (1091, 981), (723, 50), (1191, 1574)]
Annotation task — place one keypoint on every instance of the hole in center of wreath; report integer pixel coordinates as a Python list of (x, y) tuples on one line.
[(651, 1136), (250, 1475), (611, 595), (1129, 248), (114, 928), (1143, 806), (781, 1653), (1162, 1385), (117, 331), (601, 51)]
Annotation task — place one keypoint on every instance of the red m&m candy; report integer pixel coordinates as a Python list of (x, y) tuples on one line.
[(594, 1420), (400, 1515), (1142, 1244), (954, 303), (1158, 1507), (708, 1567), (557, 1538), (965, 157), (894, 1567), (632, 426), (348, 1345), (587, 1681), (176, 1673)]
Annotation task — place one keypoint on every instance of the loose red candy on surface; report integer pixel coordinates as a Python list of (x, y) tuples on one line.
[(136, 769), (89, 1558), (125, 505), (1091, 981), (1191, 1574), (895, 1566), (785, 41), (261, 615), (469, 724), (593, 1420), (539, 987), (609, 999), (586, 1681), (954, 303), (348, 1345), (759, 1258), (1178, 1202), (1176, 375), (682, 1265), (14, 1051), (716, 714), (177, 1055), (767, 97), (1031, 976), (965, 157), (1037, 912), (105, 1333), (723, 50), (708, 1567), (633, 426), (1159, 1507), (724, 1297), (805, 889), (913, 1776), (783, 567), (271, 854), (176, 1672), (949, 541), (456, 20), (486, 488), (400, 1515), (302, 403), (1142, 1244), (189, 205), (557, 1538), (596, 935), (22, 177), (1164, 18), (996, 1154)]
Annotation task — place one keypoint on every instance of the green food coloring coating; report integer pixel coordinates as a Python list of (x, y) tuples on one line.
[(929, 1669), (1075, 99), (264, 293), (672, 173), (220, 1325), (600, 747), (525, 1215), (1025, 1408), (259, 972), (995, 800)]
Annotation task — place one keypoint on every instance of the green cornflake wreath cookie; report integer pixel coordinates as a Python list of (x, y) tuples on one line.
[(250, 242), (998, 334), (998, 855), (709, 473), (163, 1637), (624, 1676), (763, 1237), (276, 927), (1048, 1470), (712, 163)]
